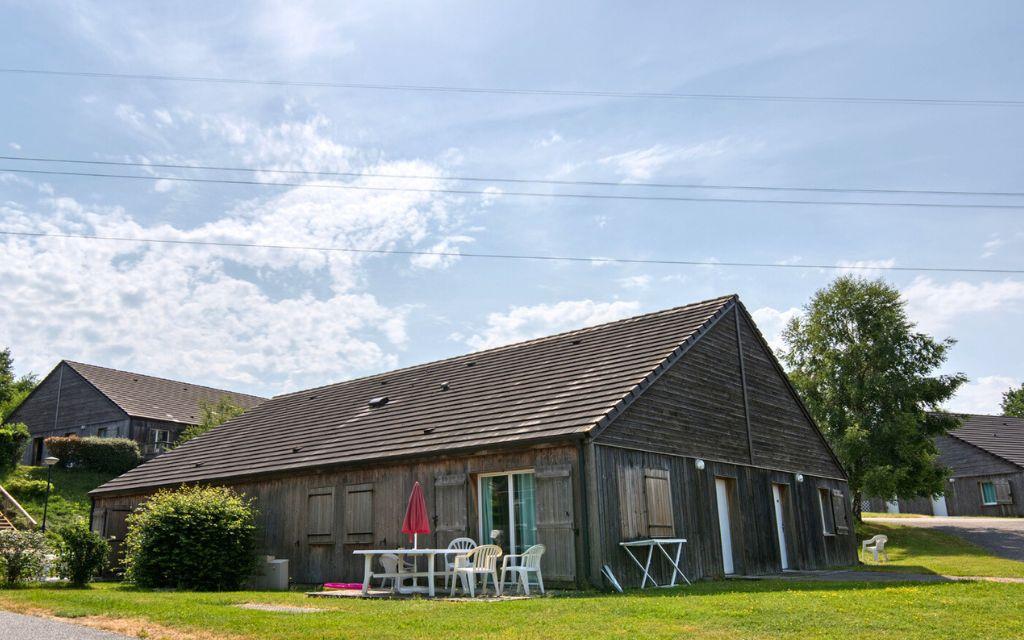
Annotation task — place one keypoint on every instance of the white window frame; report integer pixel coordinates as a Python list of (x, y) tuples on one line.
[(822, 491), (157, 432), (485, 538), (981, 486)]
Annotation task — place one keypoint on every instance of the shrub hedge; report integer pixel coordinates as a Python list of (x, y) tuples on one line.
[(199, 538), (14, 438), (110, 455), (21, 555), (82, 554)]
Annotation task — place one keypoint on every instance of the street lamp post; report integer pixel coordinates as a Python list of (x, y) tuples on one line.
[(49, 461)]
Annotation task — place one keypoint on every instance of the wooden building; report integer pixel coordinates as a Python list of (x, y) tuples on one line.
[(679, 424), (87, 400), (985, 456)]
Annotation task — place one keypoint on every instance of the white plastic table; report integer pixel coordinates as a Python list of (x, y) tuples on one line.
[(430, 554), (660, 543)]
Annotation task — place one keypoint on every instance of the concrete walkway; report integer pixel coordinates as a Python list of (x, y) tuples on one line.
[(1002, 536), (14, 626)]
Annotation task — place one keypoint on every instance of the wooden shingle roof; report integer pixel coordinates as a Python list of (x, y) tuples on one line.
[(152, 398), (550, 388), (999, 435)]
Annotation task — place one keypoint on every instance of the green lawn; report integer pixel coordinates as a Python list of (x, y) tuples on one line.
[(918, 550), (68, 498), (731, 609)]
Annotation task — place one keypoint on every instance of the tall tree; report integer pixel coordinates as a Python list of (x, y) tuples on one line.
[(1013, 402), (869, 380), (12, 389), (212, 414)]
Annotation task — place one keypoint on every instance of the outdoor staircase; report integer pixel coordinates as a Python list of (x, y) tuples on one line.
[(5, 523), (11, 512)]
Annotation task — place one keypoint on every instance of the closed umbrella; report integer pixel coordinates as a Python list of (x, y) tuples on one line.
[(416, 521)]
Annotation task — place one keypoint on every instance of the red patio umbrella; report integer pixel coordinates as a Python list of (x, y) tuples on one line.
[(416, 520)]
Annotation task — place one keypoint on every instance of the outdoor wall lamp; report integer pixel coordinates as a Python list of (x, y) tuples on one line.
[(799, 477), (699, 464)]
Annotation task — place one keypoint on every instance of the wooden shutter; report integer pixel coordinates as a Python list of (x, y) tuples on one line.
[(828, 522), (555, 523), (632, 504), (320, 515), (658, 500), (839, 512), (1004, 495), (450, 511), (359, 513)]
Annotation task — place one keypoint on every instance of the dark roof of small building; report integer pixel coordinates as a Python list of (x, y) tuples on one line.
[(999, 435), (151, 398), (549, 388)]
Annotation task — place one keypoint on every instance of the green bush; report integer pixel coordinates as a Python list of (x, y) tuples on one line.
[(193, 538), (82, 554), (109, 455), (21, 555), (14, 438), (25, 488)]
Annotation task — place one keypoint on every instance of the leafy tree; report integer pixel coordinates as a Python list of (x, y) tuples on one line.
[(12, 389), (82, 553), (200, 538), (13, 440), (1013, 402), (212, 414), (869, 380)]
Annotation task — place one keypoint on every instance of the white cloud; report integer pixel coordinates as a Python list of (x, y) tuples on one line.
[(449, 246), (552, 139), (642, 281), (934, 306), (772, 321), (163, 117), (983, 395), (266, 320), (14, 145), (642, 164), (865, 268), (131, 116), (163, 186), (524, 323)]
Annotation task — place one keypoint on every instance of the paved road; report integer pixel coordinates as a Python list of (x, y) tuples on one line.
[(18, 627), (1002, 536)]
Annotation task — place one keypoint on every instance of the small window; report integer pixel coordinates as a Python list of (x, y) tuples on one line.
[(161, 436), (988, 494), (101, 432), (828, 522)]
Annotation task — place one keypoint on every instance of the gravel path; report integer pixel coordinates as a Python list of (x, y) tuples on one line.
[(15, 626), (1002, 536)]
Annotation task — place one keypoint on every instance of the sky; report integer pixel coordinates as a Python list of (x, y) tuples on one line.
[(269, 321)]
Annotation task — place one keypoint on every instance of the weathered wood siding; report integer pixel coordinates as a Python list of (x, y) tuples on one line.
[(317, 520), (963, 498), (63, 403), (694, 513)]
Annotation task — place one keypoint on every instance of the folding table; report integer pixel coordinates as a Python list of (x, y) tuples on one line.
[(660, 543)]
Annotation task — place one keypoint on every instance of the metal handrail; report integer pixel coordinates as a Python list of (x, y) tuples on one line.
[(17, 506)]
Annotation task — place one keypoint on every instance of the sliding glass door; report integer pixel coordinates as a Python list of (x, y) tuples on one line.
[(508, 516)]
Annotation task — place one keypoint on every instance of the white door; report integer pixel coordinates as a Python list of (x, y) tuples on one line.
[(724, 526), (780, 524), (892, 506), (939, 506)]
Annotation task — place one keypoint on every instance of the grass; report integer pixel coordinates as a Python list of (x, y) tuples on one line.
[(69, 496), (920, 550), (731, 609)]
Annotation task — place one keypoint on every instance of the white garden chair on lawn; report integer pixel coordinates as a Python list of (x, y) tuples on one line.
[(522, 565), (481, 561), (876, 545), (459, 544)]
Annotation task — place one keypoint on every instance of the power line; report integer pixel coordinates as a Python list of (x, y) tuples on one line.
[(532, 194), (503, 256), (957, 102), (461, 178)]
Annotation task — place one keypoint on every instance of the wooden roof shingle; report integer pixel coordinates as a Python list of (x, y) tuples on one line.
[(549, 388), (152, 398), (1002, 436)]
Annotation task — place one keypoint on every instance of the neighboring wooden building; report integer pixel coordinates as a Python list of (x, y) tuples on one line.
[(679, 423), (986, 458), (87, 400)]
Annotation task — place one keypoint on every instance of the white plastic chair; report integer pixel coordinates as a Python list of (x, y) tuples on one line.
[(390, 562), (460, 544), (481, 561), (521, 565), (876, 545)]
